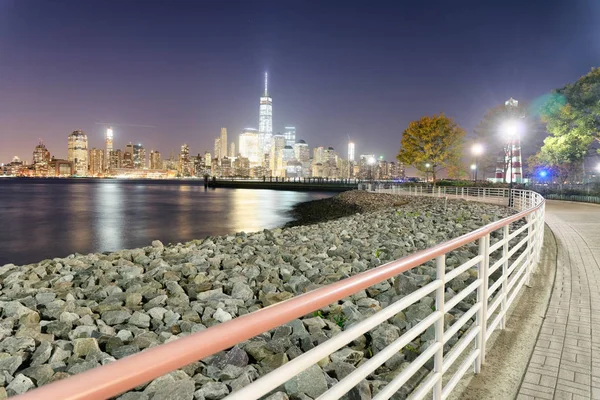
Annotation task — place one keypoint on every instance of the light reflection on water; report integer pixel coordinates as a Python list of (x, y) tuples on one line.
[(45, 219)]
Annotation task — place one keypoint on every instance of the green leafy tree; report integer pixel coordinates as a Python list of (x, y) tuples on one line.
[(572, 116), (435, 140)]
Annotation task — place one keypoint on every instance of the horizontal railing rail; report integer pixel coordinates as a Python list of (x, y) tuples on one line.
[(514, 258)]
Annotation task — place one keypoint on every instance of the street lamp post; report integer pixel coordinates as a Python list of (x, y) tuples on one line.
[(474, 169), (477, 150), (427, 172)]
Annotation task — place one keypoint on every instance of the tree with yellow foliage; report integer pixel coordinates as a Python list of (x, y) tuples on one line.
[(436, 141)]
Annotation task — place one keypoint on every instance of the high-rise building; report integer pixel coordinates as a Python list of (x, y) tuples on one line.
[(109, 147), (351, 151), (78, 152), (217, 154), (139, 157), (186, 165), (41, 154), (223, 142), (96, 162), (329, 155), (318, 155), (290, 135), (207, 159), (250, 147), (276, 156), (116, 159), (301, 151), (127, 160), (41, 159), (241, 167), (265, 119), (232, 150), (155, 161)]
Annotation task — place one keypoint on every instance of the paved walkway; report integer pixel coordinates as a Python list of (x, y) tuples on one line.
[(566, 360)]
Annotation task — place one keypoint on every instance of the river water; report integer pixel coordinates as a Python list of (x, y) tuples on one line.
[(42, 219)]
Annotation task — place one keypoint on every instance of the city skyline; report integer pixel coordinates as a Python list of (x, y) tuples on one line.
[(367, 83)]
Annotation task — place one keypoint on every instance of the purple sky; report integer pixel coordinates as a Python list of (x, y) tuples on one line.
[(337, 68)]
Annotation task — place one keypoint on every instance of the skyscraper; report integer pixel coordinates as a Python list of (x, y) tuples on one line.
[(96, 162), (232, 150), (290, 136), (301, 151), (185, 163), (350, 152), (41, 155), (78, 152), (276, 156), (223, 142), (139, 156), (250, 147), (41, 159), (265, 119), (109, 147), (155, 161), (217, 155)]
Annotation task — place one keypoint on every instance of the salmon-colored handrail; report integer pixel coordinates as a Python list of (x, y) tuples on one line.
[(112, 379)]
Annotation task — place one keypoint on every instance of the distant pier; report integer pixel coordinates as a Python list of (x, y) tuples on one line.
[(299, 184)]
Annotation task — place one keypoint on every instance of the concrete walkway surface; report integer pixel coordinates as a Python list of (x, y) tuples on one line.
[(565, 363)]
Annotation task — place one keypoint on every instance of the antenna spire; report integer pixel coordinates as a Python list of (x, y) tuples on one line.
[(266, 83)]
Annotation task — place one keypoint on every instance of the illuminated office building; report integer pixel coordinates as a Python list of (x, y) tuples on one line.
[(77, 152)]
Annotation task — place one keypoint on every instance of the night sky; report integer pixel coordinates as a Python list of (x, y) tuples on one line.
[(337, 68)]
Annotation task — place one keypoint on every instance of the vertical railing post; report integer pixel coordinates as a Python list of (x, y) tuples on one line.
[(438, 361), (530, 231), (462, 192), (482, 299), (505, 233)]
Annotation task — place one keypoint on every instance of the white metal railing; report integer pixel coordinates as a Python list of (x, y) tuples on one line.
[(489, 310), (508, 251)]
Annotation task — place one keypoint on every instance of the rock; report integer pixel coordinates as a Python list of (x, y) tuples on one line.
[(157, 244), (230, 372), (236, 357), (181, 389), (274, 298), (310, 382), (157, 313), (242, 291), (40, 374), (221, 315), (19, 385), (383, 336), (214, 390), (278, 396), (140, 320), (347, 355), (269, 363), (85, 346), (134, 396), (14, 309), (10, 364), (41, 354), (115, 317), (133, 299)]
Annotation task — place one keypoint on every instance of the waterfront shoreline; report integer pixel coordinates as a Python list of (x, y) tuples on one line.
[(66, 315)]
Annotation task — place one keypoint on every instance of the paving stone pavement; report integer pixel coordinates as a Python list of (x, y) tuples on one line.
[(566, 359)]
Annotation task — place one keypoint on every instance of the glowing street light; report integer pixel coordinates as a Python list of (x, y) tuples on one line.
[(427, 165)]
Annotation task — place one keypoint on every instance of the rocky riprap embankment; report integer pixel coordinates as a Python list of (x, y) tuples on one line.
[(63, 316)]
